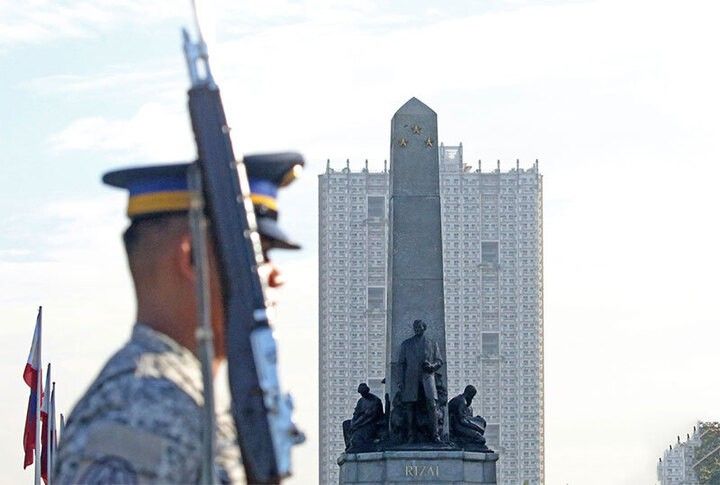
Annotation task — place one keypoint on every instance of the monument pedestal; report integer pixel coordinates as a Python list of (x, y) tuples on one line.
[(401, 467)]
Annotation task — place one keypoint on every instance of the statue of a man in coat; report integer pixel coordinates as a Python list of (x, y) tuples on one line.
[(419, 360)]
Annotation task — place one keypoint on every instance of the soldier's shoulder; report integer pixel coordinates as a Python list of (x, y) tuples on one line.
[(145, 404), (127, 384), (141, 417), (131, 429), (150, 370), (138, 384)]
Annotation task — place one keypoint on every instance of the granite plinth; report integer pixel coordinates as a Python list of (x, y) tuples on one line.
[(401, 467)]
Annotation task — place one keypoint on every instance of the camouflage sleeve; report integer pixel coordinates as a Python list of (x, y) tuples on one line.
[(136, 431), (228, 462)]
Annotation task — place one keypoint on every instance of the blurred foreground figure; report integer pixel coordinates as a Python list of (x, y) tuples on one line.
[(141, 420)]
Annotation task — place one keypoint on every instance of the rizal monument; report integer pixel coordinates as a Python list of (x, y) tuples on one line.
[(415, 432)]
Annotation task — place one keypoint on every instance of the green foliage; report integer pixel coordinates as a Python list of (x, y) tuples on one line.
[(707, 454)]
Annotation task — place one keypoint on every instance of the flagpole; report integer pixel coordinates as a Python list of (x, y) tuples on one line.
[(38, 390)]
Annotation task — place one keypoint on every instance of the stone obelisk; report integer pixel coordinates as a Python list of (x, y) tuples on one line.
[(415, 259)]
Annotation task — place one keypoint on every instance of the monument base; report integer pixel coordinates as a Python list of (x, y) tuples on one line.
[(400, 467)]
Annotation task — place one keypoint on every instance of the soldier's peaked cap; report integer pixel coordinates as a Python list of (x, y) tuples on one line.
[(161, 189), (153, 189), (266, 174)]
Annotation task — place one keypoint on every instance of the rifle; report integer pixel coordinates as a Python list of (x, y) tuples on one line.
[(262, 414)]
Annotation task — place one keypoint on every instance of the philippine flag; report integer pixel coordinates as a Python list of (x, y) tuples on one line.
[(44, 410), (31, 376)]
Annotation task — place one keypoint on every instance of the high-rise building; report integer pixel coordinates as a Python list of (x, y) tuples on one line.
[(492, 248), (492, 256), (675, 467), (695, 460), (353, 261)]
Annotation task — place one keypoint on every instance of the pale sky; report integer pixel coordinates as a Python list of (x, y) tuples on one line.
[(618, 99)]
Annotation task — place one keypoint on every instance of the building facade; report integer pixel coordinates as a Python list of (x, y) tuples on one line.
[(352, 245), (492, 256), (675, 467)]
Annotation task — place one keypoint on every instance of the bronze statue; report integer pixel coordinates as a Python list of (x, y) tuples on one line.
[(419, 361), (398, 419), (466, 430), (367, 421)]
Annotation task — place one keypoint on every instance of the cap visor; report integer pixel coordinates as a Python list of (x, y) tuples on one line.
[(268, 228)]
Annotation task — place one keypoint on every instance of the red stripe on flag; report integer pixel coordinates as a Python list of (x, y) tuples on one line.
[(44, 410), (30, 376), (44, 454)]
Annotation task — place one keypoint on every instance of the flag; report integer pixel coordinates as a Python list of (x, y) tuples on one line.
[(32, 368), (53, 431), (44, 410), (31, 376), (29, 434)]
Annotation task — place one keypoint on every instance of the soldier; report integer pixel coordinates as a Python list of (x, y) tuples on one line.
[(141, 419), (266, 174)]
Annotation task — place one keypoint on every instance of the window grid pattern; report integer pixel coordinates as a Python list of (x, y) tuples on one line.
[(493, 304), (353, 254)]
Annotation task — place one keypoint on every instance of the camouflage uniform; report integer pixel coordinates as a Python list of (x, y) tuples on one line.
[(141, 420)]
